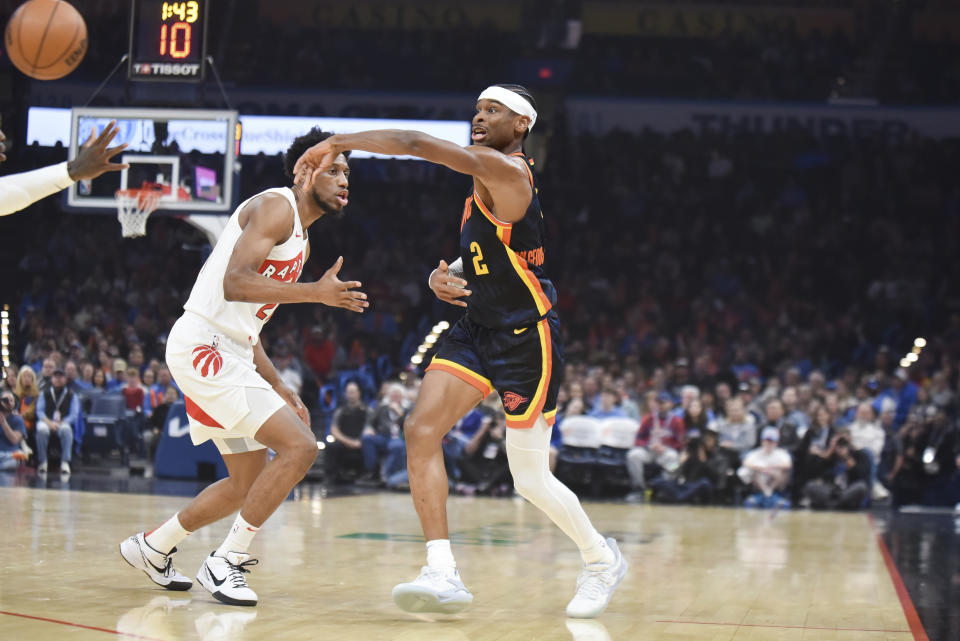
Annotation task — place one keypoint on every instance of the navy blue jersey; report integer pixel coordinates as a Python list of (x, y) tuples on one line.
[(503, 264)]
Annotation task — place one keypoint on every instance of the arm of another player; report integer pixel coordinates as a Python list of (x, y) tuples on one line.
[(478, 161), (21, 190), (267, 224), (269, 373)]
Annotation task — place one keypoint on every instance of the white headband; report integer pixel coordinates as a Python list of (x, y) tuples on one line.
[(513, 101)]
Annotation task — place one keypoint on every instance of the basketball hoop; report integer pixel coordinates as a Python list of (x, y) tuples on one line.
[(134, 206)]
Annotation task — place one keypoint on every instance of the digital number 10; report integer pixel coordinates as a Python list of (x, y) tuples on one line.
[(177, 31)]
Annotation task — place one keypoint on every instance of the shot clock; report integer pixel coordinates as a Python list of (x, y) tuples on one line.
[(168, 40)]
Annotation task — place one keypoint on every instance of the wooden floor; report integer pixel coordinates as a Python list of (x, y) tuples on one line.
[(328, 565)]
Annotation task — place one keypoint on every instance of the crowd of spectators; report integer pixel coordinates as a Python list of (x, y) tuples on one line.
[(791, 438), (876, 55)]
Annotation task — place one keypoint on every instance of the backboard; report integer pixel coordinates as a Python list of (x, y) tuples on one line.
[(187, 154)]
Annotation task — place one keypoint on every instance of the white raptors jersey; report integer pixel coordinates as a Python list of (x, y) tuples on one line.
[(243, 321)]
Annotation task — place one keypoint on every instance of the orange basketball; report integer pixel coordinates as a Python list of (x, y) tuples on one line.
[(46, 39)]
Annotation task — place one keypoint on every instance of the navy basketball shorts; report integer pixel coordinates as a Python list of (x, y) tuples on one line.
[(524, 365)]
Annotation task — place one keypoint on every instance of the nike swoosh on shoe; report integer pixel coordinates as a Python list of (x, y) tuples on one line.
[(150, 563), (213, 578)]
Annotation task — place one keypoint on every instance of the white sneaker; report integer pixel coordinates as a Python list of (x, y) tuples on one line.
[(42, 468), (435, 590), (595, 586), (65, 468), (223, 578), (157, 565)]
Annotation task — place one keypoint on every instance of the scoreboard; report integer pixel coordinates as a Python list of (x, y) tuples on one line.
[(168, 40)]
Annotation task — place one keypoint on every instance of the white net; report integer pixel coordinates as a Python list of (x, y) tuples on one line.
[(134, 207)]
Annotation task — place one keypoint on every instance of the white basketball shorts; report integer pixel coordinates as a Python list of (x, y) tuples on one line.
[(226, 399)]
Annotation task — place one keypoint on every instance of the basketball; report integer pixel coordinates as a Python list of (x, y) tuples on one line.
[(46, 39)]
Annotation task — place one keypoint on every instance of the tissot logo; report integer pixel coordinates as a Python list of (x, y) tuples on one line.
[(168, 69)]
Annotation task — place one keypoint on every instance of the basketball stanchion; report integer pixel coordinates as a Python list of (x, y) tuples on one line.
[(134, 207)]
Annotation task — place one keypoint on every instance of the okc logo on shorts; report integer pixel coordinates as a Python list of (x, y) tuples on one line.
[(207, 360), (512, 400)]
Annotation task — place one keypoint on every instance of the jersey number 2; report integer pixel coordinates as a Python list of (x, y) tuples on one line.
[(478, 267)]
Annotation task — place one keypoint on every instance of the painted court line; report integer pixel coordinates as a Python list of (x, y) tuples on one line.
[(913, 619), (781, 627), (79, 625)]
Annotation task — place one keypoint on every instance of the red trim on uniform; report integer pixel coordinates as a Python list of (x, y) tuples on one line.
[(481, 387), (467, 210), (526, 165), (489, 214), (535, 282), (551, 419), (505, 233), (522, 425), (197, 414)]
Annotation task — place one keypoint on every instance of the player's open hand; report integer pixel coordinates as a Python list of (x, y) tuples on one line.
[(336, 293), (94, 156), (448, 287), (319, 158)]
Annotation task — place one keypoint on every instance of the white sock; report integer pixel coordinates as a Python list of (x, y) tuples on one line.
[(599, 552), (165, 538), (439, 554), (239, 538), (528, 453)]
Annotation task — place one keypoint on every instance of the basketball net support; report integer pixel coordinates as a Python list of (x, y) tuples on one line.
[(212, 225)]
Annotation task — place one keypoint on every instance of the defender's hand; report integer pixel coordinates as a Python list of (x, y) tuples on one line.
[(94, 157), (294, 402), (319, 158), (448, 288), (334, 292)]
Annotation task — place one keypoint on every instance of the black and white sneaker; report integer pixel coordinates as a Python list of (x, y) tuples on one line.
[(156, 565), (223, 578)]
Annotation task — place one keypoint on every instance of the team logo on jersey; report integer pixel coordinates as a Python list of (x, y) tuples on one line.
[(287, 271), (207, 360), (512, 400)]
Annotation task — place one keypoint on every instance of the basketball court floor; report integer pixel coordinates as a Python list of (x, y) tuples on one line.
[(328, 565)]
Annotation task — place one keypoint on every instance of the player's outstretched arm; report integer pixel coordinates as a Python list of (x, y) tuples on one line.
[(266, 222), (476, 160), (18, 191)]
